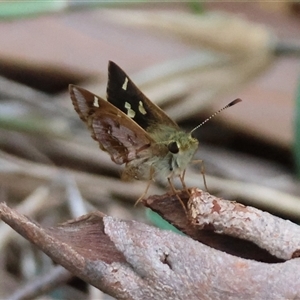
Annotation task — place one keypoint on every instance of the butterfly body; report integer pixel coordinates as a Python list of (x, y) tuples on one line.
[(135, 131), (178, 147)]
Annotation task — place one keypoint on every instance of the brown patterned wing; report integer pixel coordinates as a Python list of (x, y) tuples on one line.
[(116, 133)]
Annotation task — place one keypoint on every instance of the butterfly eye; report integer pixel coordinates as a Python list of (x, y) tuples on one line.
[(173, 147)]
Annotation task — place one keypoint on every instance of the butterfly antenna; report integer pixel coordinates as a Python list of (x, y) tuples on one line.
[(216, 113)]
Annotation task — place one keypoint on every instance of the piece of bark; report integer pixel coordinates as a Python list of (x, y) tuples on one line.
[(169, 207), (131, 260), (279, 237)]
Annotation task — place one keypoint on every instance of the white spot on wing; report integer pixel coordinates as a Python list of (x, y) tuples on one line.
[(96, 101), (141, 108), (124, 86), (130, 112)]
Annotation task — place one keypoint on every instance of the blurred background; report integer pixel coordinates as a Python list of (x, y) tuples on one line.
[(189, 58)]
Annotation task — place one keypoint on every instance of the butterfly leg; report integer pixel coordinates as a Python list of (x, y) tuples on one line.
[(144, 194), (176, 193), (181, 177), (202, 171), (147, 187)]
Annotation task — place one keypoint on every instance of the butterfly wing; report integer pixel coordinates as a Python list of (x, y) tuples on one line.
[(116, 133), (125, 95)]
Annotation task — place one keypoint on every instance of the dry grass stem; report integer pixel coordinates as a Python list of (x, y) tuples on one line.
[(30, 206), (42, 284), (75, 200), (91, 186), (31, 97)]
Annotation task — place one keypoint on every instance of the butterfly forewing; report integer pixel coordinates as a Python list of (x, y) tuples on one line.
[(116, 133), (125, 95), (83, 102)]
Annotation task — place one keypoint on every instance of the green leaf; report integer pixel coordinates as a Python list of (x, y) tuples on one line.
[(159, 222)]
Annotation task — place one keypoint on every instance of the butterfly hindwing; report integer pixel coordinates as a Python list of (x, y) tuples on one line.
[(116, 133), (126, 96)]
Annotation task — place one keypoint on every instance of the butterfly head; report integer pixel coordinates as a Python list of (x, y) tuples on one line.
[(178, 147), (182, 150)]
